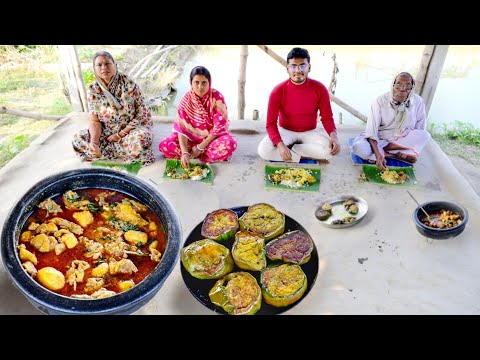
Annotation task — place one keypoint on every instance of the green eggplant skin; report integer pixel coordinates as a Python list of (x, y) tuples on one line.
[(206, 259), (237, 293), (283, 285), (263, 219), (248, 251)]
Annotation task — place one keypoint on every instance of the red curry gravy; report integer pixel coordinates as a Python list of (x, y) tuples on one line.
[(101, 219)]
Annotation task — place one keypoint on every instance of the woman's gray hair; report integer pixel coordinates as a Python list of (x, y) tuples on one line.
[(102, 53)]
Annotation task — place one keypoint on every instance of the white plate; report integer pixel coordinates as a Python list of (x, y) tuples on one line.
[(339, 212)]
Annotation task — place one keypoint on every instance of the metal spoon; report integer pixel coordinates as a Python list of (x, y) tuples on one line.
[(421, 207)]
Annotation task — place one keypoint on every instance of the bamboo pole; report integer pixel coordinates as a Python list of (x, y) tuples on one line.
[(242, 78), (422, 71), (77, 70), (335, 99), (70, 75), (4, 110), (432, 76)]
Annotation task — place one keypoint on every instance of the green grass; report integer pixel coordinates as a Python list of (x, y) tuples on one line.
[(460, 131), (12, 147), (458, 139), (29, 87)]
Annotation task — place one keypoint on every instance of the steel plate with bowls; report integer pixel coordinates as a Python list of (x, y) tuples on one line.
[(200, 288), (339, 212)]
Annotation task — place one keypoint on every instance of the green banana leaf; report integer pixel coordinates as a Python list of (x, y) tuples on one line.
[(270, 169), (130, 168), (177, 165), (372, 173)]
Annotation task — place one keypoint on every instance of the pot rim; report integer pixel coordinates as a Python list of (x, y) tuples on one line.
[(40, 295)]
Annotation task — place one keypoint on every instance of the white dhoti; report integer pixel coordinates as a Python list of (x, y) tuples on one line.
[(412, 144), (308, 144)]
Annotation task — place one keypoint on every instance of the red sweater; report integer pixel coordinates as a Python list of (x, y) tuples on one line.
[(296, 107)]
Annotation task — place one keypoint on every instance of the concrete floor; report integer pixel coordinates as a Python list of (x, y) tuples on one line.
[(380, 266)]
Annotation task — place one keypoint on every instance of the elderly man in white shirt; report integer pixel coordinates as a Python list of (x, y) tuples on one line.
[(396, 126)]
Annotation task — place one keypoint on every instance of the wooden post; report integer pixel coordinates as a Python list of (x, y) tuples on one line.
[(77, 69), (429, 73), (335, 99), (71, 79), (422, 71), (241, 81)]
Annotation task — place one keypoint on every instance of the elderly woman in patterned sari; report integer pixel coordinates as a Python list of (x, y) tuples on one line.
[(201, 126), (396, 126), (120, 121)]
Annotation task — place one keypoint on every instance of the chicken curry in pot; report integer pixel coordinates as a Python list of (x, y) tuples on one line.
[(91, 243)]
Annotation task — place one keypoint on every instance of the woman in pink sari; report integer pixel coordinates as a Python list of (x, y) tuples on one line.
[(201, 126)]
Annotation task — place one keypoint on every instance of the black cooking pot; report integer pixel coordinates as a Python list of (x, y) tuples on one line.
[(435, 233), (123, 303)]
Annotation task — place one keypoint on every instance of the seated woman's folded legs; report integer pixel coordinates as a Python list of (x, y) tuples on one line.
[(170, 147), (80, 143), (81, 146), (137, 146), (220, 149)]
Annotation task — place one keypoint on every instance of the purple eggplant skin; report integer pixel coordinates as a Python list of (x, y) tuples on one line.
[(293, 247)]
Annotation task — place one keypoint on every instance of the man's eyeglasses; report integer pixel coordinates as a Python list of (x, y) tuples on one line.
[(295, 68), (403, 87)]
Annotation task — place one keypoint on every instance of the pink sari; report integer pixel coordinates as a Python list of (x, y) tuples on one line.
[(199, 117), (196, 119)]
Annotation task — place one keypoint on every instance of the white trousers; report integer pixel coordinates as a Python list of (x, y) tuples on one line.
[(308, 144), (413, 144)]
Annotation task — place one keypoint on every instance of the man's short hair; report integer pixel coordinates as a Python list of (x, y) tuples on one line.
[(298, 53)]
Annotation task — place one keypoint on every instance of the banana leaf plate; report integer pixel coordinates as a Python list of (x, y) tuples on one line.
[(372, 173), (270, 169), (130, 168), (175, 166)]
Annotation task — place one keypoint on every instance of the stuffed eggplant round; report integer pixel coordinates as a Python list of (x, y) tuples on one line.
[(292, 247), (263, 219), (248, 251), (237, 293), (206, 259), (283, 285), (220, 225)]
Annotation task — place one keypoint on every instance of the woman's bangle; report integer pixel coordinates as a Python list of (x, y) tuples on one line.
[(95, 142), (199, 148), (123, 133), (185, 153)]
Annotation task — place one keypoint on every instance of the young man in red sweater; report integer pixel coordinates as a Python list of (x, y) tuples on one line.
[(295, 104)]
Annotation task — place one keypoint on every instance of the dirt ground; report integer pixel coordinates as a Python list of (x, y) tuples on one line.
[(466, 158)]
